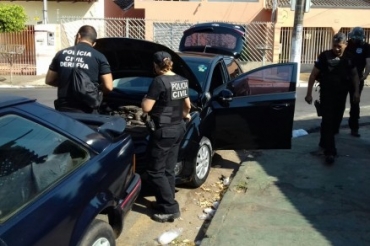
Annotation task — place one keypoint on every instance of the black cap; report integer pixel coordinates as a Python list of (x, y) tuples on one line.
[(357, 33), (339, 38), (160, 56)]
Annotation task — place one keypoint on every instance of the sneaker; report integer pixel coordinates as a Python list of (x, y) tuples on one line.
[(355, 133), (329, 159), (165, 217)]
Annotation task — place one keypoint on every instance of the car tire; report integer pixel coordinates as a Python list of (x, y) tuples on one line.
[(202, 163), (99, 233)]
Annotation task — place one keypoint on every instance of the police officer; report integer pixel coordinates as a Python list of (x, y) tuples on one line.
[(360, 51), (168, 104), (337, 73), (93, 63)]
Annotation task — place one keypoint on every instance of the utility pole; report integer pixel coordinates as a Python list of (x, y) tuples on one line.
[(296, 50), (45, 11)]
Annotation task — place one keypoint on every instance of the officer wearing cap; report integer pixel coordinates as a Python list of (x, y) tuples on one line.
[(338, 73), (167, 102), (360, 51)]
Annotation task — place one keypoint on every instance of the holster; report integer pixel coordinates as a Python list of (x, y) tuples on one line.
[(150, 125)]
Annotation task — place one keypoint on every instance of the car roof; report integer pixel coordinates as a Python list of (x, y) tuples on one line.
[(202, 57), (12, 100), (95, 139)]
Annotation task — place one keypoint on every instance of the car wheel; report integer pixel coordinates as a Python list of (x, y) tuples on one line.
[(99, 233), (202, 163)]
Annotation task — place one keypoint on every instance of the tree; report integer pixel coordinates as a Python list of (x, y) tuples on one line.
[(12, 18)]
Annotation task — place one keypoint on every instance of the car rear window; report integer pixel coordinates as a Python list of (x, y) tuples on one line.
[(221, 40), (32, 158)]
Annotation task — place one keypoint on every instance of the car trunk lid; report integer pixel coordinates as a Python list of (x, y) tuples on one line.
[(219, 38)]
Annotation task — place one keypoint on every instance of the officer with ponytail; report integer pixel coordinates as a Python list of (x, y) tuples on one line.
[(167, 103)]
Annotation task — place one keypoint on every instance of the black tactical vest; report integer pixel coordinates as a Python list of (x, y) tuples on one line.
[(168, 109)]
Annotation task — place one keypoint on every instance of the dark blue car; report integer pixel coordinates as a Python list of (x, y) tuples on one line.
[(65, 179), (230, 109)]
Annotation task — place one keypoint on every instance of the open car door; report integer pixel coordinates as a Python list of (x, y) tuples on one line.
[(256, 110)]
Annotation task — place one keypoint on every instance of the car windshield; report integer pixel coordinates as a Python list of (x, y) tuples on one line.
[(133, 84), (200, 70), (139, 85)]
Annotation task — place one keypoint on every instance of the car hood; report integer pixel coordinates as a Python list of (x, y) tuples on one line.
[(134, 57), (214, 37)]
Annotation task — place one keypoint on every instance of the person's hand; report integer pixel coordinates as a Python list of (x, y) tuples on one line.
[(308, 99), (364, 77), (187, 117), (356, 97), (144, 117)]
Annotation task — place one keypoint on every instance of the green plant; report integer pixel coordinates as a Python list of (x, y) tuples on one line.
[(12, 18)]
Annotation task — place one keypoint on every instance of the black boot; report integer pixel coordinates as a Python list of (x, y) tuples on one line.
[(355, 133)]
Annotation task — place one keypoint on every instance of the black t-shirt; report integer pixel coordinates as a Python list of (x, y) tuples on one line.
[(157, 89), (335, 72), (359, 53), (87, 58)]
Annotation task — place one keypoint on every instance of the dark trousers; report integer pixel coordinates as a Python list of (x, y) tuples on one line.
[(354, 112), (333, 104), (162, 157)]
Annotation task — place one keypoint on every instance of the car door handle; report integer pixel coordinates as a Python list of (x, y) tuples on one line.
[(279, 106)]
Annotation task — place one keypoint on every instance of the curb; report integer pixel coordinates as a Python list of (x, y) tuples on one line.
[(17, 86)]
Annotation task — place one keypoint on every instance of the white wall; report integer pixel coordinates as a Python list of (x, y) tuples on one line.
[(47, 40), (56, 10)]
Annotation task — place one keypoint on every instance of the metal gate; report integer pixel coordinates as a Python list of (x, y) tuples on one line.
[(314, 41), (259, 34), (17, 52)]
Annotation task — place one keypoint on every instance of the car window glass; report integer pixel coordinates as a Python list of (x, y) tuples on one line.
[(232, 68), (217, 78), (274, 79), (200, 70), (32, 158), (133, 83)]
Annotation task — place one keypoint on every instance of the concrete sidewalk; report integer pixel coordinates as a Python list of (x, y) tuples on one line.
[(291, 197), (22, 81)]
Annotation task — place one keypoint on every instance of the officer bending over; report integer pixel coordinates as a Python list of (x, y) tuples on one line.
[(167, 103), (337, 72)]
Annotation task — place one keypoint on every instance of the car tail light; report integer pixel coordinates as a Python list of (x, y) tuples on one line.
[(133, 163)]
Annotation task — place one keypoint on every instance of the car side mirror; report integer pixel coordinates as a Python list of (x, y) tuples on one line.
[(225, 95)]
